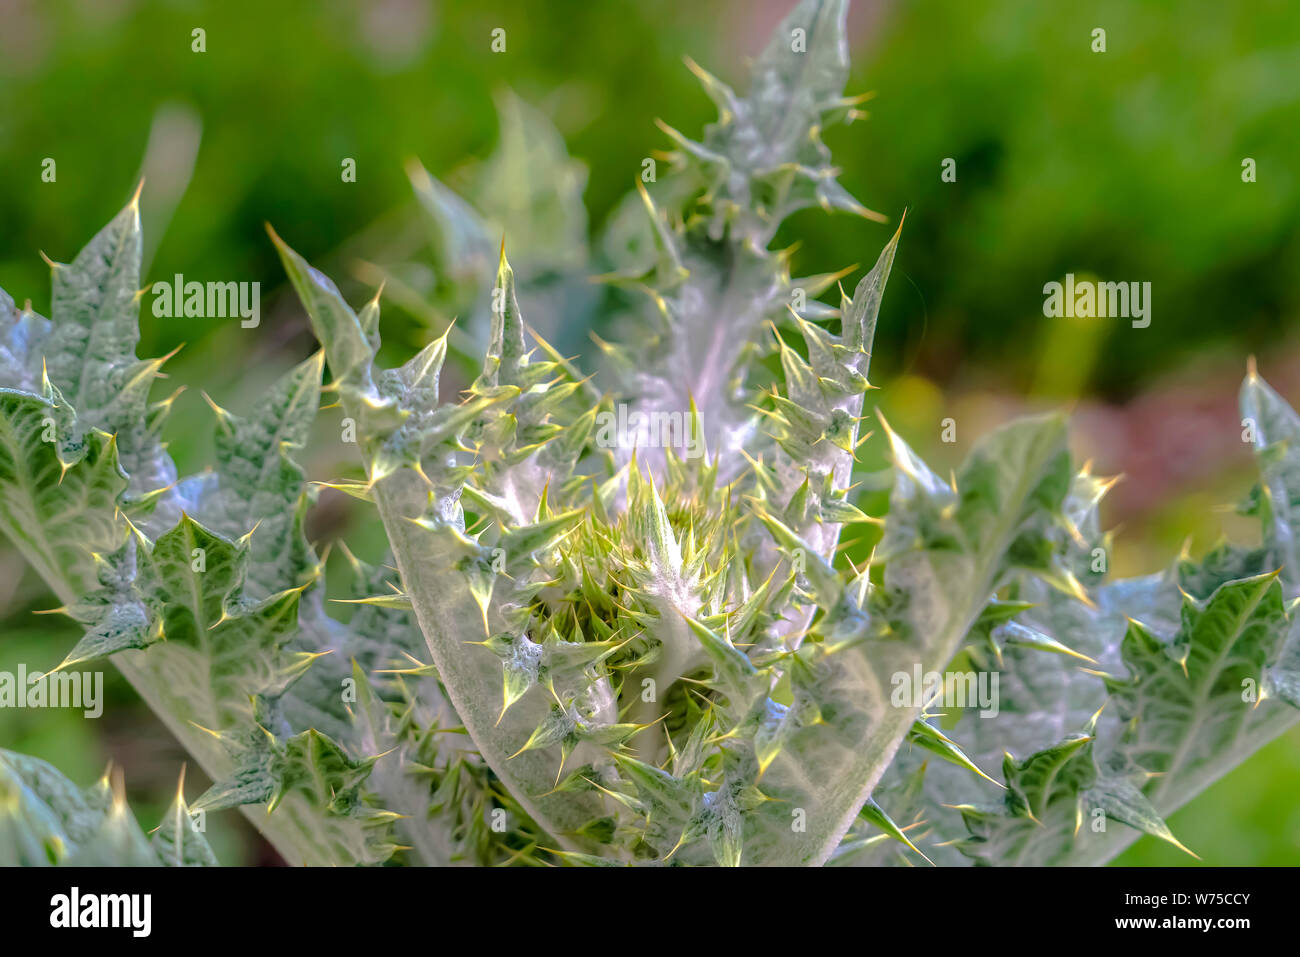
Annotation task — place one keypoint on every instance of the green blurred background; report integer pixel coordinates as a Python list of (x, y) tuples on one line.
[(1125, 165)]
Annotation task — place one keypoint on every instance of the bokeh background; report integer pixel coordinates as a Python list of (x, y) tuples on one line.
[(1125, 165)]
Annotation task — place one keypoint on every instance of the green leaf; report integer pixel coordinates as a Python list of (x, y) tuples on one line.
[(1185, 702), (936, 583), (45, 820), (178, 840), (57, 518), (529, 191), (259, 487), (1275, 429), (90, 349), (425, 531), (698, 240), (1190, 664)]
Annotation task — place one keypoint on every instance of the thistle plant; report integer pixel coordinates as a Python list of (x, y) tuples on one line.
[(596, 645)]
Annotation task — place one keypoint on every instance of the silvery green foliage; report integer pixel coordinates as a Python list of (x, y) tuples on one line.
[(208, 597), (47, 820), (1159, 685), (698, 241), (1199, 664), (590, 650)]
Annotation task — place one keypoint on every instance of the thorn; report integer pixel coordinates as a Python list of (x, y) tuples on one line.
[(221, 413), (418, 469)]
